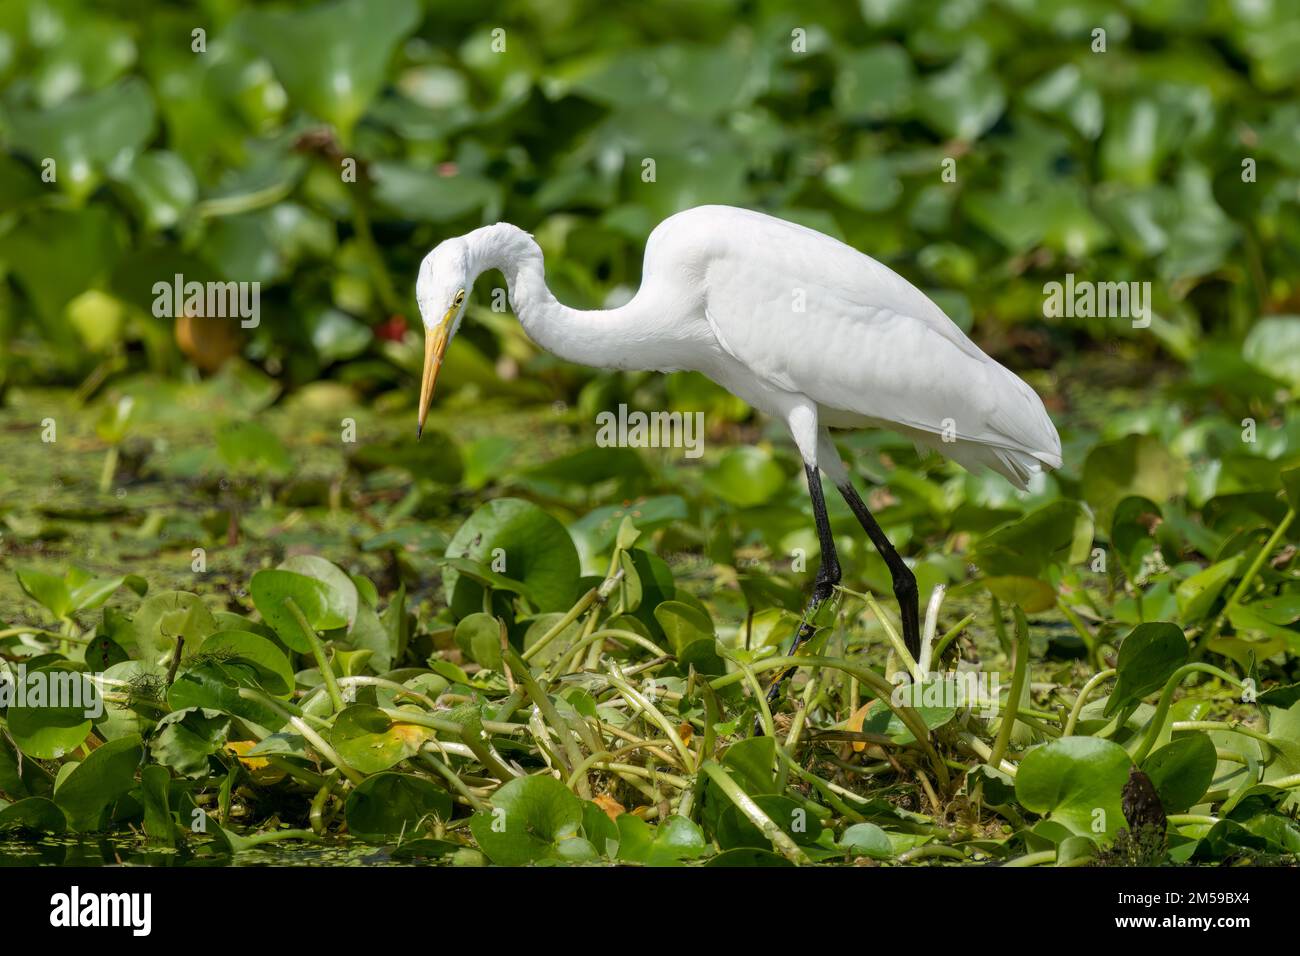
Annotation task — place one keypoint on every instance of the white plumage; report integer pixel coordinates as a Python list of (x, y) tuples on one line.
[(799, 325)]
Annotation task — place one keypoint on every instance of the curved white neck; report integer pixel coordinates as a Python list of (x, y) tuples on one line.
[(602, 337)]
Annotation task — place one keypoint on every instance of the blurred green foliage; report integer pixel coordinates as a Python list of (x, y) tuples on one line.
[(142, 139)]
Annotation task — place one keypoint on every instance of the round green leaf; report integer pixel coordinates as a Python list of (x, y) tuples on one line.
[(98, 781), (394, 804), (371, 741), (273, 670), (46, 732), (1147, 658), (270, 589), (1076, 782), (479, 638), (519, 540), (341, 597), (164, 618), (1181, 771), (33, 813), (866, 839), (746, 476), (531, 817)]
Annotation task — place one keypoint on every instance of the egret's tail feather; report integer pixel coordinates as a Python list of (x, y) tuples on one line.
[(1015, 464)]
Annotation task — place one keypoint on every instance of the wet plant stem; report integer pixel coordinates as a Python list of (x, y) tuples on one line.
[(1020, 668), (318, 651), (1093, 683)]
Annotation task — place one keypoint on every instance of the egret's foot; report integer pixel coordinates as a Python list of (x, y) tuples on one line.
[(823, 590)]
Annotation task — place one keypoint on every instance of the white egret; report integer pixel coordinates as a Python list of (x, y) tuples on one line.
[(799, 325)]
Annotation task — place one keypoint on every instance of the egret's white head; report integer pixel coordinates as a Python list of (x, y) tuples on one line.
[(440, 290)]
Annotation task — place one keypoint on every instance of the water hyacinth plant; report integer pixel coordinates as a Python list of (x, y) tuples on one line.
[(245, 617)]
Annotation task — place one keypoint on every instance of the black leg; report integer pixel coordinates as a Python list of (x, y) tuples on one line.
[(828, 575), (904, 579)]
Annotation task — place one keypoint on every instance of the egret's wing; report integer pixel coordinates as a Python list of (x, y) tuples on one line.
[(811, 315)]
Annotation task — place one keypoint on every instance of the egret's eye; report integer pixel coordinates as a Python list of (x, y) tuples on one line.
[(460, 297)]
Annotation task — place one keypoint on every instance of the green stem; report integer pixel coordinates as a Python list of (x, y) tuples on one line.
[(999, 625), (453, 780), (882, 689), (952, 635), (638, 699), (1166, 698), (895, 639), (930, 849), (1226, 726), (1249, 577), (388, 297), (559, 627), (1021, 667), (1093, 683), (549, 714), (109, 470), (746, 805), (1033, 859), (1191, 820), (318, 651)]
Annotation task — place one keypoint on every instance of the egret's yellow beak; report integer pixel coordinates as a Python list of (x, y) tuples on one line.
[(435, 344)]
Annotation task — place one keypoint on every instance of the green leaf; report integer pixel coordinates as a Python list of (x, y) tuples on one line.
[(341, 598), (690, 633), (33, 813), (736, 830), (186, 738), (1181, 771), (518, 539), (272, 587), (161, 186), (46, 732), (1273, 346), (1134, 465), (1029, 594), (390, 805), (1076, 782), (749, 857), (866, 839), (97, 782), (874, 83), (1196, 595), (370, 741), (164, 618), (745, 477), (750, 762), (1131, 533), (271, 667), (332, 58), (1055, 534), (868, 184), (532, 817), (214, 686), (88, 135), (673, 840), (252, 448), (962, 102), (47, 590), (1148, 657), (158, 823), (479, 638)]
